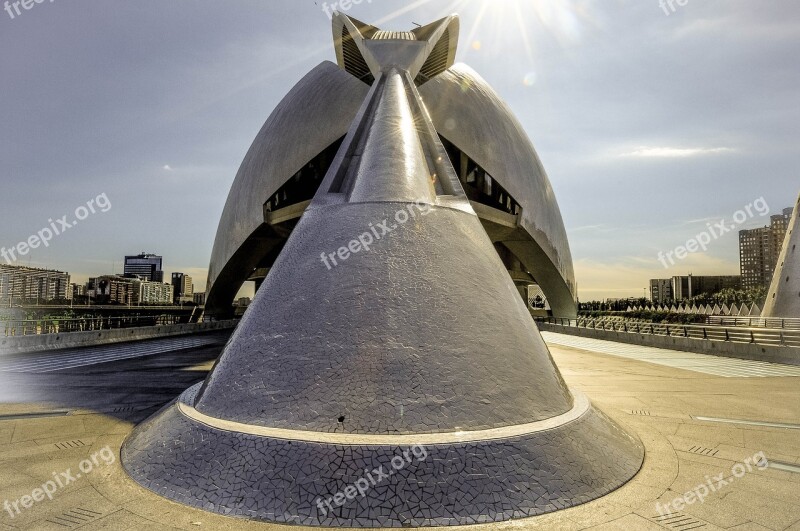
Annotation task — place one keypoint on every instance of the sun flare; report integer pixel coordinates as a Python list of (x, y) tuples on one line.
[(524, 22)]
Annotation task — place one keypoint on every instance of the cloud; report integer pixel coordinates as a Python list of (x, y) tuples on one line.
[(701, 220), (587, 227), (669, 152), (166, 167)]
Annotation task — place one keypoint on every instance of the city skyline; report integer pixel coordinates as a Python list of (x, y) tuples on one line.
[(779, 219), (666, 141), (248, 290)]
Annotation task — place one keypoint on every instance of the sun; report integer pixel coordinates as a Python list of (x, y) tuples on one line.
[(524, 22)]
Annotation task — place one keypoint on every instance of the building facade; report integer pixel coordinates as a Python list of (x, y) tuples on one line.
[(686, 287), (661, 290), (115, 289), (26, 284), (497, 167), (425, 337), (155, 293), (760, 248), (145, 266), (182, 288)]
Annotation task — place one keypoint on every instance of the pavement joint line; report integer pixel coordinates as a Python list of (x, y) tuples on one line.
[(749, 422), (580, 407)]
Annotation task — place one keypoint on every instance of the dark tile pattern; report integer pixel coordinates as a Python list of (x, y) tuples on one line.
[(281, 481)]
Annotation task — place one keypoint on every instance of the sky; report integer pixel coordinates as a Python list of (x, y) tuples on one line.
[(652, 121)]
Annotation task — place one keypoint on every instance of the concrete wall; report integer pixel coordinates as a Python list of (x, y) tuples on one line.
[(45, 342), (750, 351)]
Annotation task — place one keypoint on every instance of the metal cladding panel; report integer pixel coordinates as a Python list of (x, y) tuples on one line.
[(316, 112), (783, 298), (424, 332), (470, 114)]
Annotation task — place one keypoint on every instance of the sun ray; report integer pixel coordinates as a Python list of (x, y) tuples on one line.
[(477, 23), (523, 31), (401, 11)]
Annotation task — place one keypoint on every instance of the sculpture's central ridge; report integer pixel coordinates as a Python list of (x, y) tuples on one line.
[(399, 380)]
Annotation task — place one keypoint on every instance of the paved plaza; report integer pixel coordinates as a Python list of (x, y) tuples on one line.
[(69, 415)]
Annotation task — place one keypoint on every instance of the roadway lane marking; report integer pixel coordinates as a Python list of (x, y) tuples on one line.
[(690, 361)]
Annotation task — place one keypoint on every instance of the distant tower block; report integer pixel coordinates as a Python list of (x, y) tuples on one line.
[(388, 373), (783, 299)]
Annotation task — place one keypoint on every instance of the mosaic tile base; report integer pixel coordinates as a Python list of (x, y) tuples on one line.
[(315, 484)]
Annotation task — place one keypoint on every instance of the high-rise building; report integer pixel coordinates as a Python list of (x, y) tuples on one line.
[(754, 257), (661, 290), (182, 288), (760, 248), (145, 266), (26, 284), (199, 298)]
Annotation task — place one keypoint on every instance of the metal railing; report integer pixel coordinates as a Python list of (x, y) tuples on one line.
[(788, 323), (30, 327), (755, 322), (736, 334)]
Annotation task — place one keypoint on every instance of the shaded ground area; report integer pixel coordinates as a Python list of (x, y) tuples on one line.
[(128, 389), (90, 408)]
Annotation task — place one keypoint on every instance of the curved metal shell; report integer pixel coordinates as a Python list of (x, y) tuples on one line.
[(316, 112), (469, 114)]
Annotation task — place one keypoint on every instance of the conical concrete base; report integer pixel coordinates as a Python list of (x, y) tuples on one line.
[(405, 385)]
